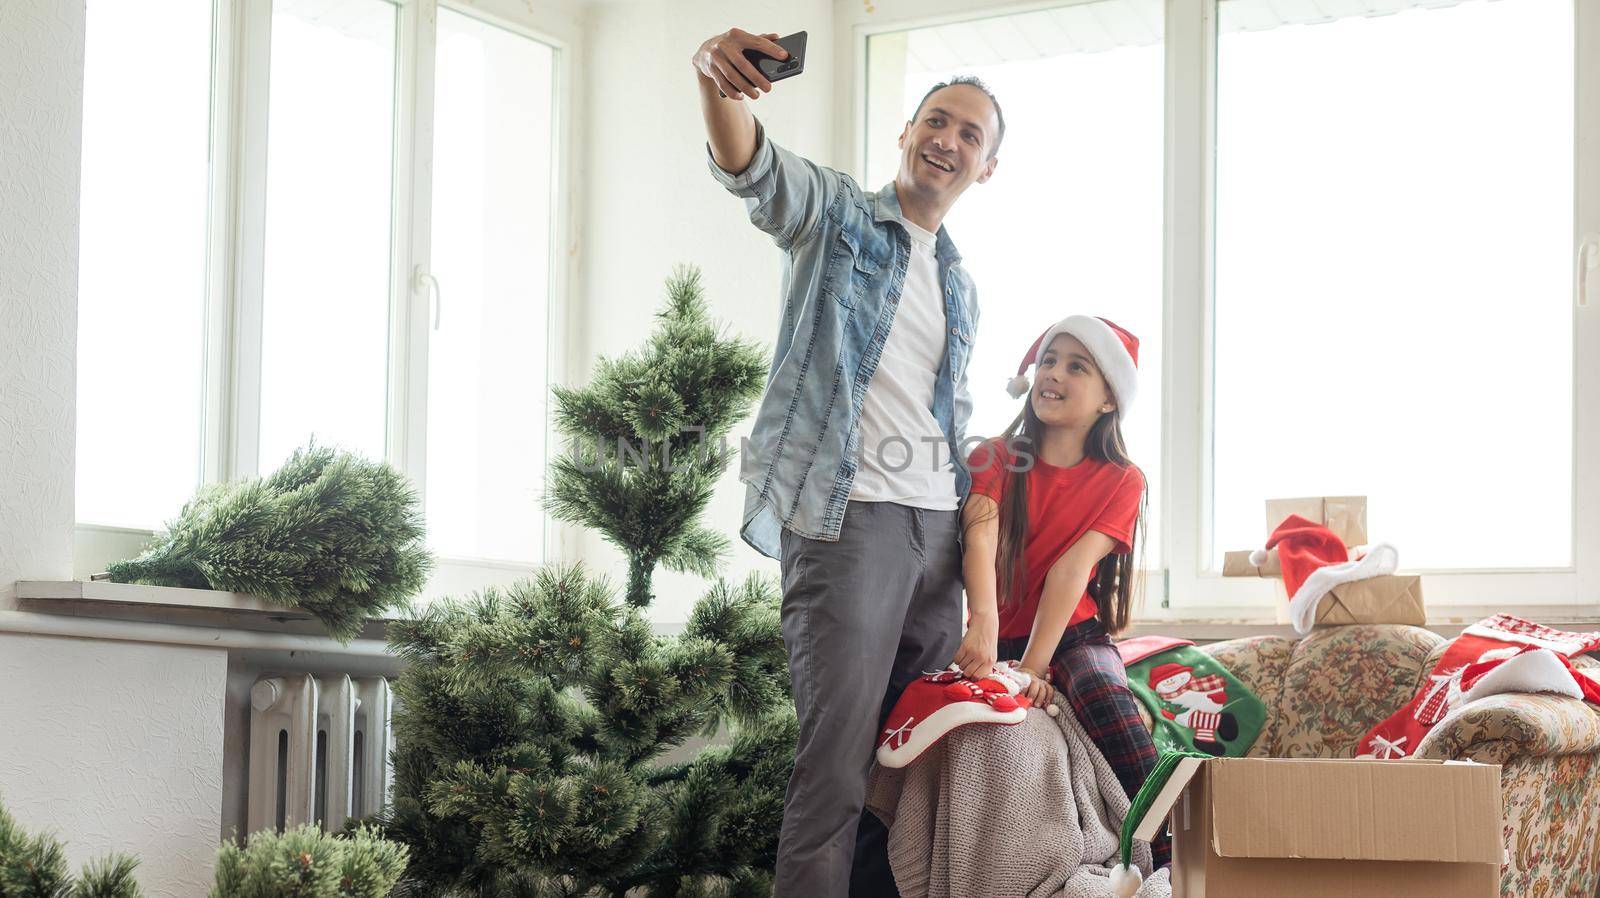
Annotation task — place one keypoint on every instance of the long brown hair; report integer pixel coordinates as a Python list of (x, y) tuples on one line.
[(1112, 582)]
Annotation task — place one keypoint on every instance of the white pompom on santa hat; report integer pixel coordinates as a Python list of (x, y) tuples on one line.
[(1114, 349)]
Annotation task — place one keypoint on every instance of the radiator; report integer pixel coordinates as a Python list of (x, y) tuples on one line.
[(319, 750)]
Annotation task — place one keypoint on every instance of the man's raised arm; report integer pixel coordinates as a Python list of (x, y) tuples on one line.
[(723, 70), (784, 194)]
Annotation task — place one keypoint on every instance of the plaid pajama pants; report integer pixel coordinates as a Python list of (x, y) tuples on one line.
[(1089, 672)]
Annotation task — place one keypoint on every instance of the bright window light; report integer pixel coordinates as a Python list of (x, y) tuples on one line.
[(487, 360), (1393, 277), (325, 315), (142, 259)]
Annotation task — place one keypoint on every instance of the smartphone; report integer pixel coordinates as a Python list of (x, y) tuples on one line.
[(779, 69)]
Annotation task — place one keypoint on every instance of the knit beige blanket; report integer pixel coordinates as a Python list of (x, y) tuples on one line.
[(1025, 811)]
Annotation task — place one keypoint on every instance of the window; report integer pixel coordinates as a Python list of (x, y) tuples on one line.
[(325, 302), (142, 259), (1078, 184), (1370, 219), (271, 190), (1392, 239), (487, 384)]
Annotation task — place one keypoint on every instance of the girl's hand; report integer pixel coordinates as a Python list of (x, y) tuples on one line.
[(1039, 692), (976, 656)]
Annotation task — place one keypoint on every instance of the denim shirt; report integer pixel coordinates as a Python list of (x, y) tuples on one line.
[(846, 255)]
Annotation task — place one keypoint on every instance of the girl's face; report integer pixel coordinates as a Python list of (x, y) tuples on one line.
[(1068, 388)]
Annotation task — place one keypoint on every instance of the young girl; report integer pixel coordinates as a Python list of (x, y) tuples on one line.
[(1049, 529)]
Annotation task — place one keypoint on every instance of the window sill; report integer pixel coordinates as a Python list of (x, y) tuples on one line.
[(176, 616), (1218, 630)]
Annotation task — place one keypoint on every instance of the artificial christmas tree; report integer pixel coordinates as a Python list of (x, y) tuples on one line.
[(646, 439), (36, 867), (328, 531), (531, 721), (306, 862)]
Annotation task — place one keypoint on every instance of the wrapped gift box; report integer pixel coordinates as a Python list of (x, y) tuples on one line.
[(1346, 516), (1390, 599)]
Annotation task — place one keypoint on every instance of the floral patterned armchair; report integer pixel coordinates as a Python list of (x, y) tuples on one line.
[(1324, 692)]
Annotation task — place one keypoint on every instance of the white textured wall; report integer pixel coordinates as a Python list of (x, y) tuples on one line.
[(652, 204), (41, 122), (117, 746), (111, 745)]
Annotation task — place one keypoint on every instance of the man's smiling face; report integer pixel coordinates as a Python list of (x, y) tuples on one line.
[(949, 146)]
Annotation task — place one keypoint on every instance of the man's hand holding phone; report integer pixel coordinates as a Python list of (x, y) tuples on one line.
[(723, 59)]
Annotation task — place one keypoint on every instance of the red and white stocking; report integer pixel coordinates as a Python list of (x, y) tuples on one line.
[(1479, 648)]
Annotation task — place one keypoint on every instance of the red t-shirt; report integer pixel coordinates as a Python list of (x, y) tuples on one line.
[(1063, 505)]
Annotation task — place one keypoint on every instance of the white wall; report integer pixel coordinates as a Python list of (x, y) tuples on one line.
[(144, 778), (148, 778), (41, 122), (651, 204)]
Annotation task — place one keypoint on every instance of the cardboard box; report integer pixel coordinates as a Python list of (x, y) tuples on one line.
[(1237, 564), (1346, 516), (1268, 827), (1390, 599)]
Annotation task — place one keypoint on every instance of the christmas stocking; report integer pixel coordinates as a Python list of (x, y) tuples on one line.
[(1492, 639), (1125, 877), (1195, 703), (935, 704), (1530, 670)]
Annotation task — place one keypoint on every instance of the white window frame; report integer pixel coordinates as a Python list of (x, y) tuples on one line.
[(1188, 587), (230, 430)]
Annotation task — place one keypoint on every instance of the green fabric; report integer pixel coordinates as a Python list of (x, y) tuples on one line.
[(1153, 784), (1241, 713)]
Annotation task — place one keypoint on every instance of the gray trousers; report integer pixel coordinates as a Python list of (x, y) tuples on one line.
[(862, 618)]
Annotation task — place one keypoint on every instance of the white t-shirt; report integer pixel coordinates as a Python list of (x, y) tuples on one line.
[(904, 457)]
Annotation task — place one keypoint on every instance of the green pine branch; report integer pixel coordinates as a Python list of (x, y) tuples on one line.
[(35, 866), (328, 531), (499, 766), (306, 862), (644, 439)]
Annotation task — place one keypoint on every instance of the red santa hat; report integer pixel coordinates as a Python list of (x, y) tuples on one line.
[(935, 704), (1115, 352), (1314, 561)]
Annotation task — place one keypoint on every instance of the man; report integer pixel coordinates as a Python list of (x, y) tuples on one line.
[(855, 467)]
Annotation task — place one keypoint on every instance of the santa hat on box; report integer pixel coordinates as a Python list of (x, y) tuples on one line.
[(935, 704), (1115, 352), (1314, 561)]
